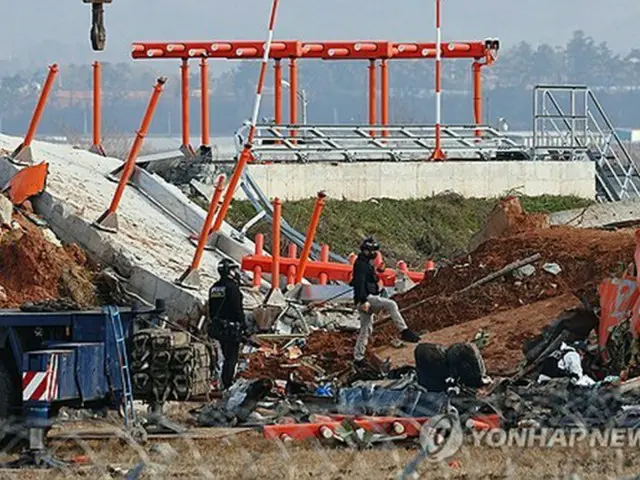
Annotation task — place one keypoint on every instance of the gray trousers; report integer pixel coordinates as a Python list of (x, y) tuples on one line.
[(378, 304)]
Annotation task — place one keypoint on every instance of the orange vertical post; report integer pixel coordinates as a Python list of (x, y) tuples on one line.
[(22, 154), (477, 96), (245, 155), (204, 97), (402, 266), (311, 233), (324, 258), (372, 96), (292, 252), (186, 147), (257, 271), (293, 94), (384, 95), (96, 146), (275, 250), (190, 278), (109, 220), (277, 89)]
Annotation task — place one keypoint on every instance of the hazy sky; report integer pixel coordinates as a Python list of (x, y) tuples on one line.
[(58, 30)]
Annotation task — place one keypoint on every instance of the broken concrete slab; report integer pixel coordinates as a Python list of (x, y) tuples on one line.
[(151, 249), (598, 215)]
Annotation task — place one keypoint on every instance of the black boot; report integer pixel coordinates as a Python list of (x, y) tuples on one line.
[(409, 336)]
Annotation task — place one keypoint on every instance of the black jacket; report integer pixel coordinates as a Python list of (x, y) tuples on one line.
[(225, 310), (365, 279)]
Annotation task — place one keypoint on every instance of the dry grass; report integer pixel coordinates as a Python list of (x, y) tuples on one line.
[(249, 456)]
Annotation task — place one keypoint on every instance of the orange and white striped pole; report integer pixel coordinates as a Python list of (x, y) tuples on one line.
[(438, 154), (246, 151)]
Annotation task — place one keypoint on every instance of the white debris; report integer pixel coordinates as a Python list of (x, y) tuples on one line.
[(6, 209), (525, 271), (50, 237), (552, 268)]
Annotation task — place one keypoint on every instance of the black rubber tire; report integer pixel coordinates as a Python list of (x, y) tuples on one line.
[(466, 364), (431, 366)]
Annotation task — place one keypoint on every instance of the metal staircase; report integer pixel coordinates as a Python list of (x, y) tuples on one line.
[(570, 124)]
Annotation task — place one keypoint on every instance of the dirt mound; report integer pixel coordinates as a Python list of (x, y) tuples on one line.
[(32, 269), (508, 218), (586, 256), (507, 331)]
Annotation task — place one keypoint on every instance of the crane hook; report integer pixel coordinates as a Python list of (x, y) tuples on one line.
[(98, 32)]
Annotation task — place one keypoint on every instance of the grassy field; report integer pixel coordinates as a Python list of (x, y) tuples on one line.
[(409, 230), (249, 456)]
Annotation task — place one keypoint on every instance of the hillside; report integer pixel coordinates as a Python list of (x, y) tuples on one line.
[(409, 230)]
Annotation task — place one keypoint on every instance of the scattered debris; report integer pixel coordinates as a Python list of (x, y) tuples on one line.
[(6, 209), (552, 268)]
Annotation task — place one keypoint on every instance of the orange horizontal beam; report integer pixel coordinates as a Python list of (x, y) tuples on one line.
[(364, 50), (217, 49), (334, 271), (414, 51)]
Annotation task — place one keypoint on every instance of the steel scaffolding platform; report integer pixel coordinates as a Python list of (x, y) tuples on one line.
[(573, 115), (350, 143)]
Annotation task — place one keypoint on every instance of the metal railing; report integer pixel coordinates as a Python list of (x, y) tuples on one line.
[(315, 143), (574, 114)]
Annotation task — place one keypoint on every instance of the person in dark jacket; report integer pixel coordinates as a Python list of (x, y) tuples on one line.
[(366, 295), (227, 320)]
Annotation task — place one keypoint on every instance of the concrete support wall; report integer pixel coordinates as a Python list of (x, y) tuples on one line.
[(402, 180)]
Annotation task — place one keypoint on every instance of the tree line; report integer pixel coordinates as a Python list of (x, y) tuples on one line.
[(336, 91)]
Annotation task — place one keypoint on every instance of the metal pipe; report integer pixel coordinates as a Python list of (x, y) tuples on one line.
[(384, 95), (97, 109), (275, 250), (204, 92), (477, 96), (277, 86), (257, 271), (245, 155), (324, 258), (135, 149), (291, 270), (202, 240), (184, 71), (293, 94), (311, 233), (39, 110), (372, 96), (438, 154)]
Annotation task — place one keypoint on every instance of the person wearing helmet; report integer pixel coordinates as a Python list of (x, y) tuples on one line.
[(227, 320), (366, 295)]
